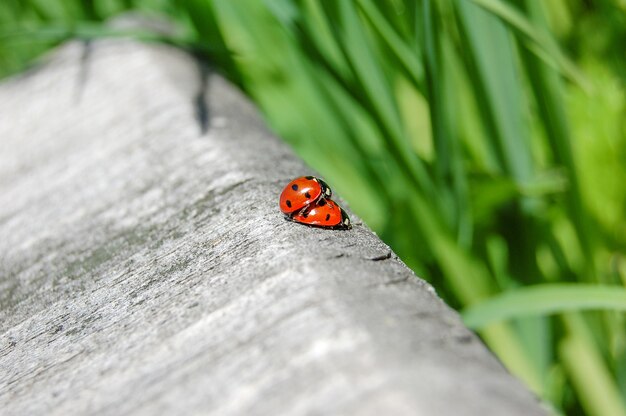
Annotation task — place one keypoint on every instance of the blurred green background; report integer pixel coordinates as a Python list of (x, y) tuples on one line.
[(484, 140)]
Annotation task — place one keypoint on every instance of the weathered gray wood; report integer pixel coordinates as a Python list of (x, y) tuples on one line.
[(146, 269)]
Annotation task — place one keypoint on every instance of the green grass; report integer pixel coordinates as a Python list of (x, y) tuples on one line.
[(484, 140)]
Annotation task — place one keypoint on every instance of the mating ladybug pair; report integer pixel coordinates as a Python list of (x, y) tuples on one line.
[(307, 200)]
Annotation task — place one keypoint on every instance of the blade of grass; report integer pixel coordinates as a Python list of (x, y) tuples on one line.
[(408, 57), (466, 275), (452, 182), (505, 342), (491, 60), (542, 41), (593, 381), (545, 299)]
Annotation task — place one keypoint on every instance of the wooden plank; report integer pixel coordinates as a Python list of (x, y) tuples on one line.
[(145, 267)]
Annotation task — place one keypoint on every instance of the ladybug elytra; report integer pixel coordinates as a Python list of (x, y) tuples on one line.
[(326, 213), (301, 192), (306, 200)]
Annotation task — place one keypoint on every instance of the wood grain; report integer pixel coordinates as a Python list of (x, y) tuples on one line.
[(145, 267)]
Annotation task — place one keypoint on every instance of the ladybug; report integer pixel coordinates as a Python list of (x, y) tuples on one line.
[(302, 192), (326, 214)]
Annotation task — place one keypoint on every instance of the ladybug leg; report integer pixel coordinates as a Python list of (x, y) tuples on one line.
[(303, 211)]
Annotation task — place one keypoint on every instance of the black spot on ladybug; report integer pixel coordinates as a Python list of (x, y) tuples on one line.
[(308, 195), (288, 202), (327, 217), (322, 202), (305, 214), (308, 177), (294, 187)]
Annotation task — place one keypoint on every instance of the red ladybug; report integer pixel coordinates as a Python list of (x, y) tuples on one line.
[(302, 192), (325, 213)]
